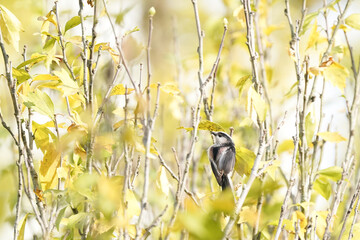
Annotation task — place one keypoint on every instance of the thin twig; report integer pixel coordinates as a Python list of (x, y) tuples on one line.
[(154, 223), (163, 163)]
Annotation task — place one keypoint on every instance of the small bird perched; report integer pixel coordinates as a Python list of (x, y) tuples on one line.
[(222, 158)]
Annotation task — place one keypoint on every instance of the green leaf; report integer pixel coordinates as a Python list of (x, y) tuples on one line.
[(59, 218), (49, 44), (337, 75), (242, 82), (77, 220), (333, 173), (73, 22), (84, 184), (33, 60), (331, 137), (21, 75), (244, 161), (211, 126), (10, 27), (22, 228), (40, 102), (353, 21), (308, 19), (120, 17), (323, 187)]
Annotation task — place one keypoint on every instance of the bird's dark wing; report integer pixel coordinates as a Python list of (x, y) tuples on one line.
[(213, 153), (226, 161)]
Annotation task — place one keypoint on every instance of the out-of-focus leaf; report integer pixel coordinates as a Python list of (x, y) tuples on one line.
[(308, 19), (73, 22), (286, 146), (187, 129), (84, 185), (248, 214), (337, 75), (120, 90), (10, 27), (169, 88), (76, 220), (316, 70), (120, 17), (331, 137), (22, 223), (40, 102), (323, 187), (258, 103), (309, 128), (272, 28), (271, 170), (353, 21), (162, 181), (244, 161), (314, 36), (334, 173), (211, 126), (321, 223), (59, 218)]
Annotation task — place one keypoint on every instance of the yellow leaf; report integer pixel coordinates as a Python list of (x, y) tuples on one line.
[(44, 77), (286, 146), (353, 21), (331, 136), (316, 70), (22, 223), (321, 223), (162, 181), (337, 75), (68, 86), (248, 214), (10, 27), (170, 88), (272, 28), (48, 167), (314, 36), (120, 90), (62, 172), (271, 170), (300, 216), (211, 126), (258, 103), (244, 161)]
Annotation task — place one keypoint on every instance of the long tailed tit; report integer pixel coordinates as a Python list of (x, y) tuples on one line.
[(222, 158)]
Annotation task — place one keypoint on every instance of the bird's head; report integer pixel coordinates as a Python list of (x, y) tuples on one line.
[(222, 138)]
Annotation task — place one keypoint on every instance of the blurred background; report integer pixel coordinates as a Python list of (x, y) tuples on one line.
[(175, 61)]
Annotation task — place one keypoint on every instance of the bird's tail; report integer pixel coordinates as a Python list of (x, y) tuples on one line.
[(225, 183)]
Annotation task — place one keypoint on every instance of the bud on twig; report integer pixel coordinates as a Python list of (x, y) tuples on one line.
[(152, 12)]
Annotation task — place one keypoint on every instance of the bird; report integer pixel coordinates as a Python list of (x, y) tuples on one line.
[(222, 158)]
